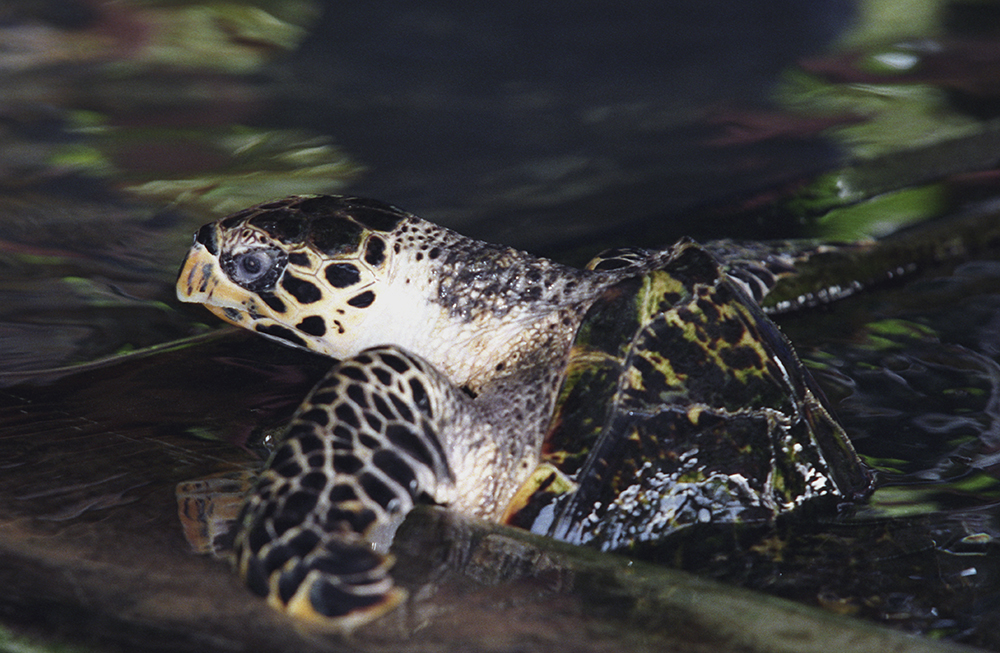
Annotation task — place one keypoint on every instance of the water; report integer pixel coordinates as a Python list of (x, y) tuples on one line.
[(594, 131)]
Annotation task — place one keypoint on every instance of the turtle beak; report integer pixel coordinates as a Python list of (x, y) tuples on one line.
[(197, 279), (201, 281)]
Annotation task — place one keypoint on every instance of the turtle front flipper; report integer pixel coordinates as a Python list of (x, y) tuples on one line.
[(314, 533)]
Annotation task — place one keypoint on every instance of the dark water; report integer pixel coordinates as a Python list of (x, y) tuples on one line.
[(538, 124), (913, 373), (558, 128)]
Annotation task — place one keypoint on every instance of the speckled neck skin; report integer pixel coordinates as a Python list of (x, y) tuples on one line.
[(499, 323), (487, 311)]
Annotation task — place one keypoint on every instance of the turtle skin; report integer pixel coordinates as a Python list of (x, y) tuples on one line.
[(609, 406)]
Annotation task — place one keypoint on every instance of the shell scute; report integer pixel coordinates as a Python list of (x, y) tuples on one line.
[(334, 235), (683, 403), (284, 225)]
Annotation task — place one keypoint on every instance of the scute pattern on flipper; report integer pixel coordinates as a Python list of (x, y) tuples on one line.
[(796, 274), (684, 403), (361, 449)]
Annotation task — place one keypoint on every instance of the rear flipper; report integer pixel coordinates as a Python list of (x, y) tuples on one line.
[(364, 446)]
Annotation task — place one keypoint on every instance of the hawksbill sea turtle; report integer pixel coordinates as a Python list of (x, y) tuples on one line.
[(607, 406)]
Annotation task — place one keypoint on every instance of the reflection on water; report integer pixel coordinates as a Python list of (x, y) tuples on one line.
[(914, 375), (561, 129)]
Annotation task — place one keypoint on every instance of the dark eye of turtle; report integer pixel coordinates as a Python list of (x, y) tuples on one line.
[(252, 265), (256, 269)]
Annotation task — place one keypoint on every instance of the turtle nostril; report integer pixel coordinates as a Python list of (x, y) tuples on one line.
[(206, 236)]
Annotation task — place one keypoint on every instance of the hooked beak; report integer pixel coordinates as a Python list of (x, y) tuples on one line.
[(195, 282), (201, 281)]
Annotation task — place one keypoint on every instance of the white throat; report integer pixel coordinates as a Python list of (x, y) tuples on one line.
[(471, 351)]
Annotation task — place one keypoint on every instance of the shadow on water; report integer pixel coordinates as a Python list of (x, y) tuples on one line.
[(537, 125)]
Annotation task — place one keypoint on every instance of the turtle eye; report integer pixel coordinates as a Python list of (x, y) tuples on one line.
[(251, 266), (255, 269)]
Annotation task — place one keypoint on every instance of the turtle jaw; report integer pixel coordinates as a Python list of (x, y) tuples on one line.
[(201, 281)]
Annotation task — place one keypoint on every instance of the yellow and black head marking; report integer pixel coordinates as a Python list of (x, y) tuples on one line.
[(304, 270)]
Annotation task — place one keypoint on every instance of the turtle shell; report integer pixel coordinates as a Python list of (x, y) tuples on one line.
[(682, 404)]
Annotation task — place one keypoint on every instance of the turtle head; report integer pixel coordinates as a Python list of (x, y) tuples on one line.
[(307, 271)]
